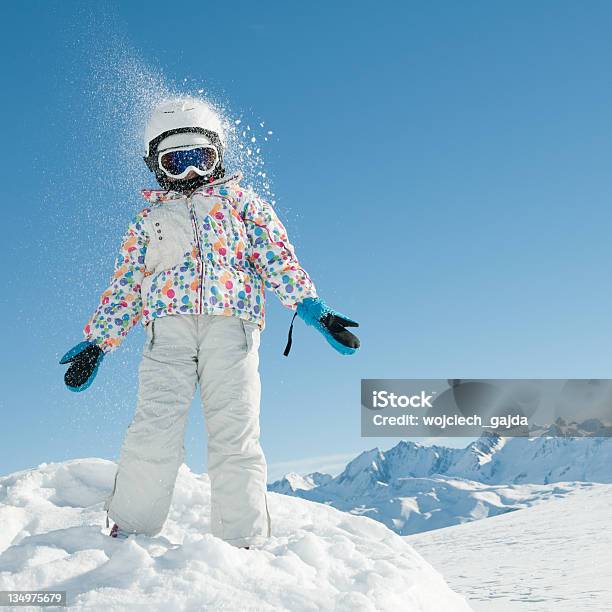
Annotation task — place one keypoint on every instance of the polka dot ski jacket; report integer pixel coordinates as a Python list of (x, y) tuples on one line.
[(211, 253)]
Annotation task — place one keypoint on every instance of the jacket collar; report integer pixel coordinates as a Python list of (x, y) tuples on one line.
[(155, 196)]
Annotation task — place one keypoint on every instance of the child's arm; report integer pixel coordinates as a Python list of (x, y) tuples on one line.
[(274, 259), (119, 310), (120, 306), (273, 255)]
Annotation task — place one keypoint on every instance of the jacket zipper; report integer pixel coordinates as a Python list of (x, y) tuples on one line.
[(196, 234)]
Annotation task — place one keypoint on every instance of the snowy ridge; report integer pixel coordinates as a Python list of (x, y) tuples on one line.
[(292, 482), (317, 558), (555, 556), (413, 488)]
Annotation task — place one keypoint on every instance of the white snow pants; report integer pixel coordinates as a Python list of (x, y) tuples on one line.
[(221, 353)]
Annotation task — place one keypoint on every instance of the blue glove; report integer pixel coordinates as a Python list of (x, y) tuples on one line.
[(84, 359), (316, 313)]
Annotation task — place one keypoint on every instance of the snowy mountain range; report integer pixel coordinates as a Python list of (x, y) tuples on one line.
[(413, 488)]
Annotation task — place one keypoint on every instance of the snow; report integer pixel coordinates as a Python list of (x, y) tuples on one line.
[(413, 488), (292, 482), (318, 558), (556, 555)]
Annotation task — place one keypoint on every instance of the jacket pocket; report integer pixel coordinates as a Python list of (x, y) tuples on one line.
[(172, 237)]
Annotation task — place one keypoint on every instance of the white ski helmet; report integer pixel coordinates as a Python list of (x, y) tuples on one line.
[(182, 122)]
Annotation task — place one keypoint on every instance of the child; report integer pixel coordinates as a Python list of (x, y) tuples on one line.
[(193, 266)]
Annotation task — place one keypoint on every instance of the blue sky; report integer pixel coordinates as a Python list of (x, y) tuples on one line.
[(443, 170)]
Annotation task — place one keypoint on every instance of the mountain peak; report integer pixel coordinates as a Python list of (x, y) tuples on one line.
[(293, 482)]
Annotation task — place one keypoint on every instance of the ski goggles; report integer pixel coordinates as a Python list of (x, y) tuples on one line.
[(178, 162)]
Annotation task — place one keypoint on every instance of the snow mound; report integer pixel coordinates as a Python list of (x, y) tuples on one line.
[(556, 555), (318, 558)]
